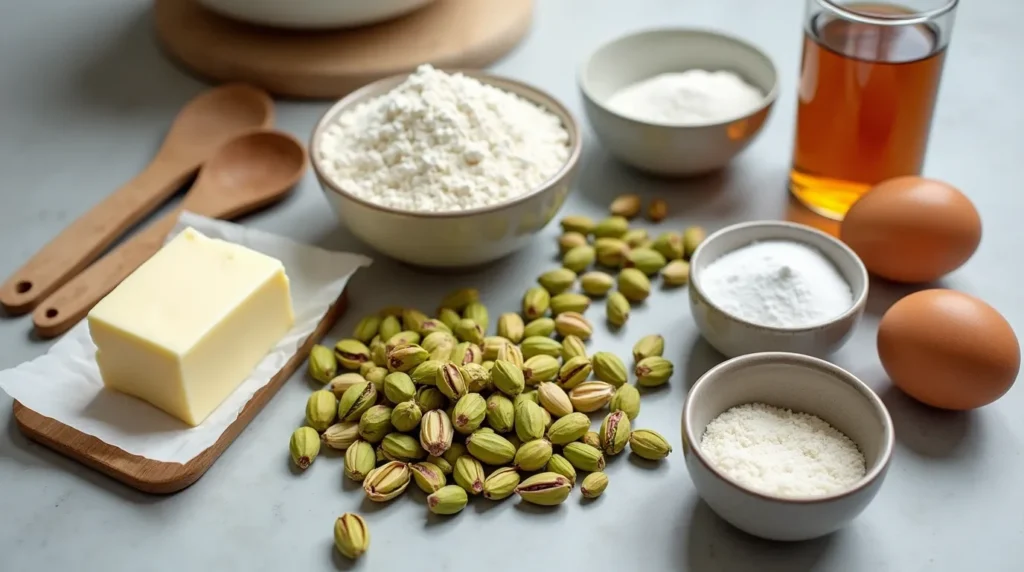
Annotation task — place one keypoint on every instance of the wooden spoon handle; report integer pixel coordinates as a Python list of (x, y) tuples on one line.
[(79, 244), (72, 302)]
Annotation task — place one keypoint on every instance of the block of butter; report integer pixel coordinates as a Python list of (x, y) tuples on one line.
[(190, 324)]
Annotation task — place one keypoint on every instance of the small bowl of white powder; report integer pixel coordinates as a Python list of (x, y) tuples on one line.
[(446, 170), (785, 446), (678, 102), (776, 286)]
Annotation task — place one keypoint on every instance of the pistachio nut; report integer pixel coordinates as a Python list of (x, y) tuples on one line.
[(467, 352), (569, 302), (451, 381), (490, 448), (541, 327), (676, 273), (402, 447), (428, 476), (539, 345), (525, 396), (477, 377), (627, 400), (561, 465), (610, 252), (342, 382), (529, 421), (405, 416), (440, 463), (533, 455), (351, 535), (501, 483), (596, 283), (402, 338), (593, 485), (413, 319), (501, 414), (626, 206), (323, 366), (669, 244), (376, 376), (611, 227), (389, 327), (692, 237), (430, 398), (653, 371), (386, 481), (573, 324), (536, 302), (356, 400), (578, 223), (375, 423), (546, 416), (360, 459), (467, 330), (447, 500), (350, 353), (443, 352), (478, 313), (425, 373), (634, 284), (406, 357), (584, 457), (321, 409), (554, 399), (432, 326), (341, 436), (568, 428), (510, 327), (572, 347), (657, 210), (557, 281), (469, 474), (648, 346), (649, 445), (635, 237), (488, 365), (646, 260), (304, 446), (454, 452), (573, 372), (507, 378), (469, 413), (457, 300), (609, 368), (591, 396), (579, 258), (378, 352), (490, 346), (512, 354), (399, 387), (592, 438), (616, 309), (545, 489), (436, 432), (540, 368), (569, 240), (614, 432), (448, 317), (367, 367)]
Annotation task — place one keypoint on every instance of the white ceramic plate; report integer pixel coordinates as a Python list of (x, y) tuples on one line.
[(313, 14)]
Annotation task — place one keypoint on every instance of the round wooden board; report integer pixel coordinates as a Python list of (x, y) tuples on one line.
[(328, 65)]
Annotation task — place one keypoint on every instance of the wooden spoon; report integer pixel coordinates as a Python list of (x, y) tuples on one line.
[(249, 172), (202, 126)]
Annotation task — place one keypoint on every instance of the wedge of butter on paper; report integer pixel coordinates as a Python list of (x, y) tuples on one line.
[(190, 324)]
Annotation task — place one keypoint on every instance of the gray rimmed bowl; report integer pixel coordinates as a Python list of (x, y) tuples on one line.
[(733, 336), (665, 149), (802, 384), (457, 238)]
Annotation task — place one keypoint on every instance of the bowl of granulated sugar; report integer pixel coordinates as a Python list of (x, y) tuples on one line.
[(776, 286), (446, 169), (785, 446)]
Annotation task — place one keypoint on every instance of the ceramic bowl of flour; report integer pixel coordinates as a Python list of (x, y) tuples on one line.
[(785, 446), (446, 187), (677, 102), (776, 286)]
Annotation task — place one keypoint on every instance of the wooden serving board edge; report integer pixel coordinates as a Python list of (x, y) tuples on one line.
[(159, 477)]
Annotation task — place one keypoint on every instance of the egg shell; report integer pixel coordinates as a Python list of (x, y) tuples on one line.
[(948, 350), (912, 230)]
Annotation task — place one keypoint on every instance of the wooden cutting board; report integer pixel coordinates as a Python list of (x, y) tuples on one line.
[(160, 477), (328, 65)]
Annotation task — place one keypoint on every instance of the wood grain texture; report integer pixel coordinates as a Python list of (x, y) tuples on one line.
[(326, 65), (159, 477)]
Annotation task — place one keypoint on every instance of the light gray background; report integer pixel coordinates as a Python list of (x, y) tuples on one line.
[(85, 97)]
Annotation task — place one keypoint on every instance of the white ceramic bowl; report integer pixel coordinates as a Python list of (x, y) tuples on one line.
[(673, 150), (733, 336), (313, 14), (802, 384), (451, 239)]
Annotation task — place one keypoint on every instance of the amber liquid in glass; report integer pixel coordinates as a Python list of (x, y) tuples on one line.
[(866, 98)]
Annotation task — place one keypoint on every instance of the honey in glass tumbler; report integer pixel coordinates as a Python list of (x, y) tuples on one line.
[(869, 79)]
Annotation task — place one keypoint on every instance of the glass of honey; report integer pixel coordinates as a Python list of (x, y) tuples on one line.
[(869, 78)]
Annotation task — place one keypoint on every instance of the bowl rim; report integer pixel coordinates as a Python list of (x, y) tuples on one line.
[(796, 360), (856, 307), (767, 101), (532, 94)]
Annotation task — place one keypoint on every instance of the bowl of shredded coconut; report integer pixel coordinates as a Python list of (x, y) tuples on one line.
[(785, 446), (678, 102), (776, 286), (446, 169)]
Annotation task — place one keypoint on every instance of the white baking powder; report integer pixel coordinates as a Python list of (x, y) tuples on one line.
[(686, 98), (777, 283), (441, 142), (782, 453)]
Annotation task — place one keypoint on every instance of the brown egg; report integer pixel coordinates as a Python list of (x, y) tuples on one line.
[(912, 230), (948, 350)]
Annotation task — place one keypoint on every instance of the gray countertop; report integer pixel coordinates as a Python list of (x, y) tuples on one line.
[(85, 96)]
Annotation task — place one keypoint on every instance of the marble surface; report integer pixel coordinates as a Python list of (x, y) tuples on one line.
[(85, 96)]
